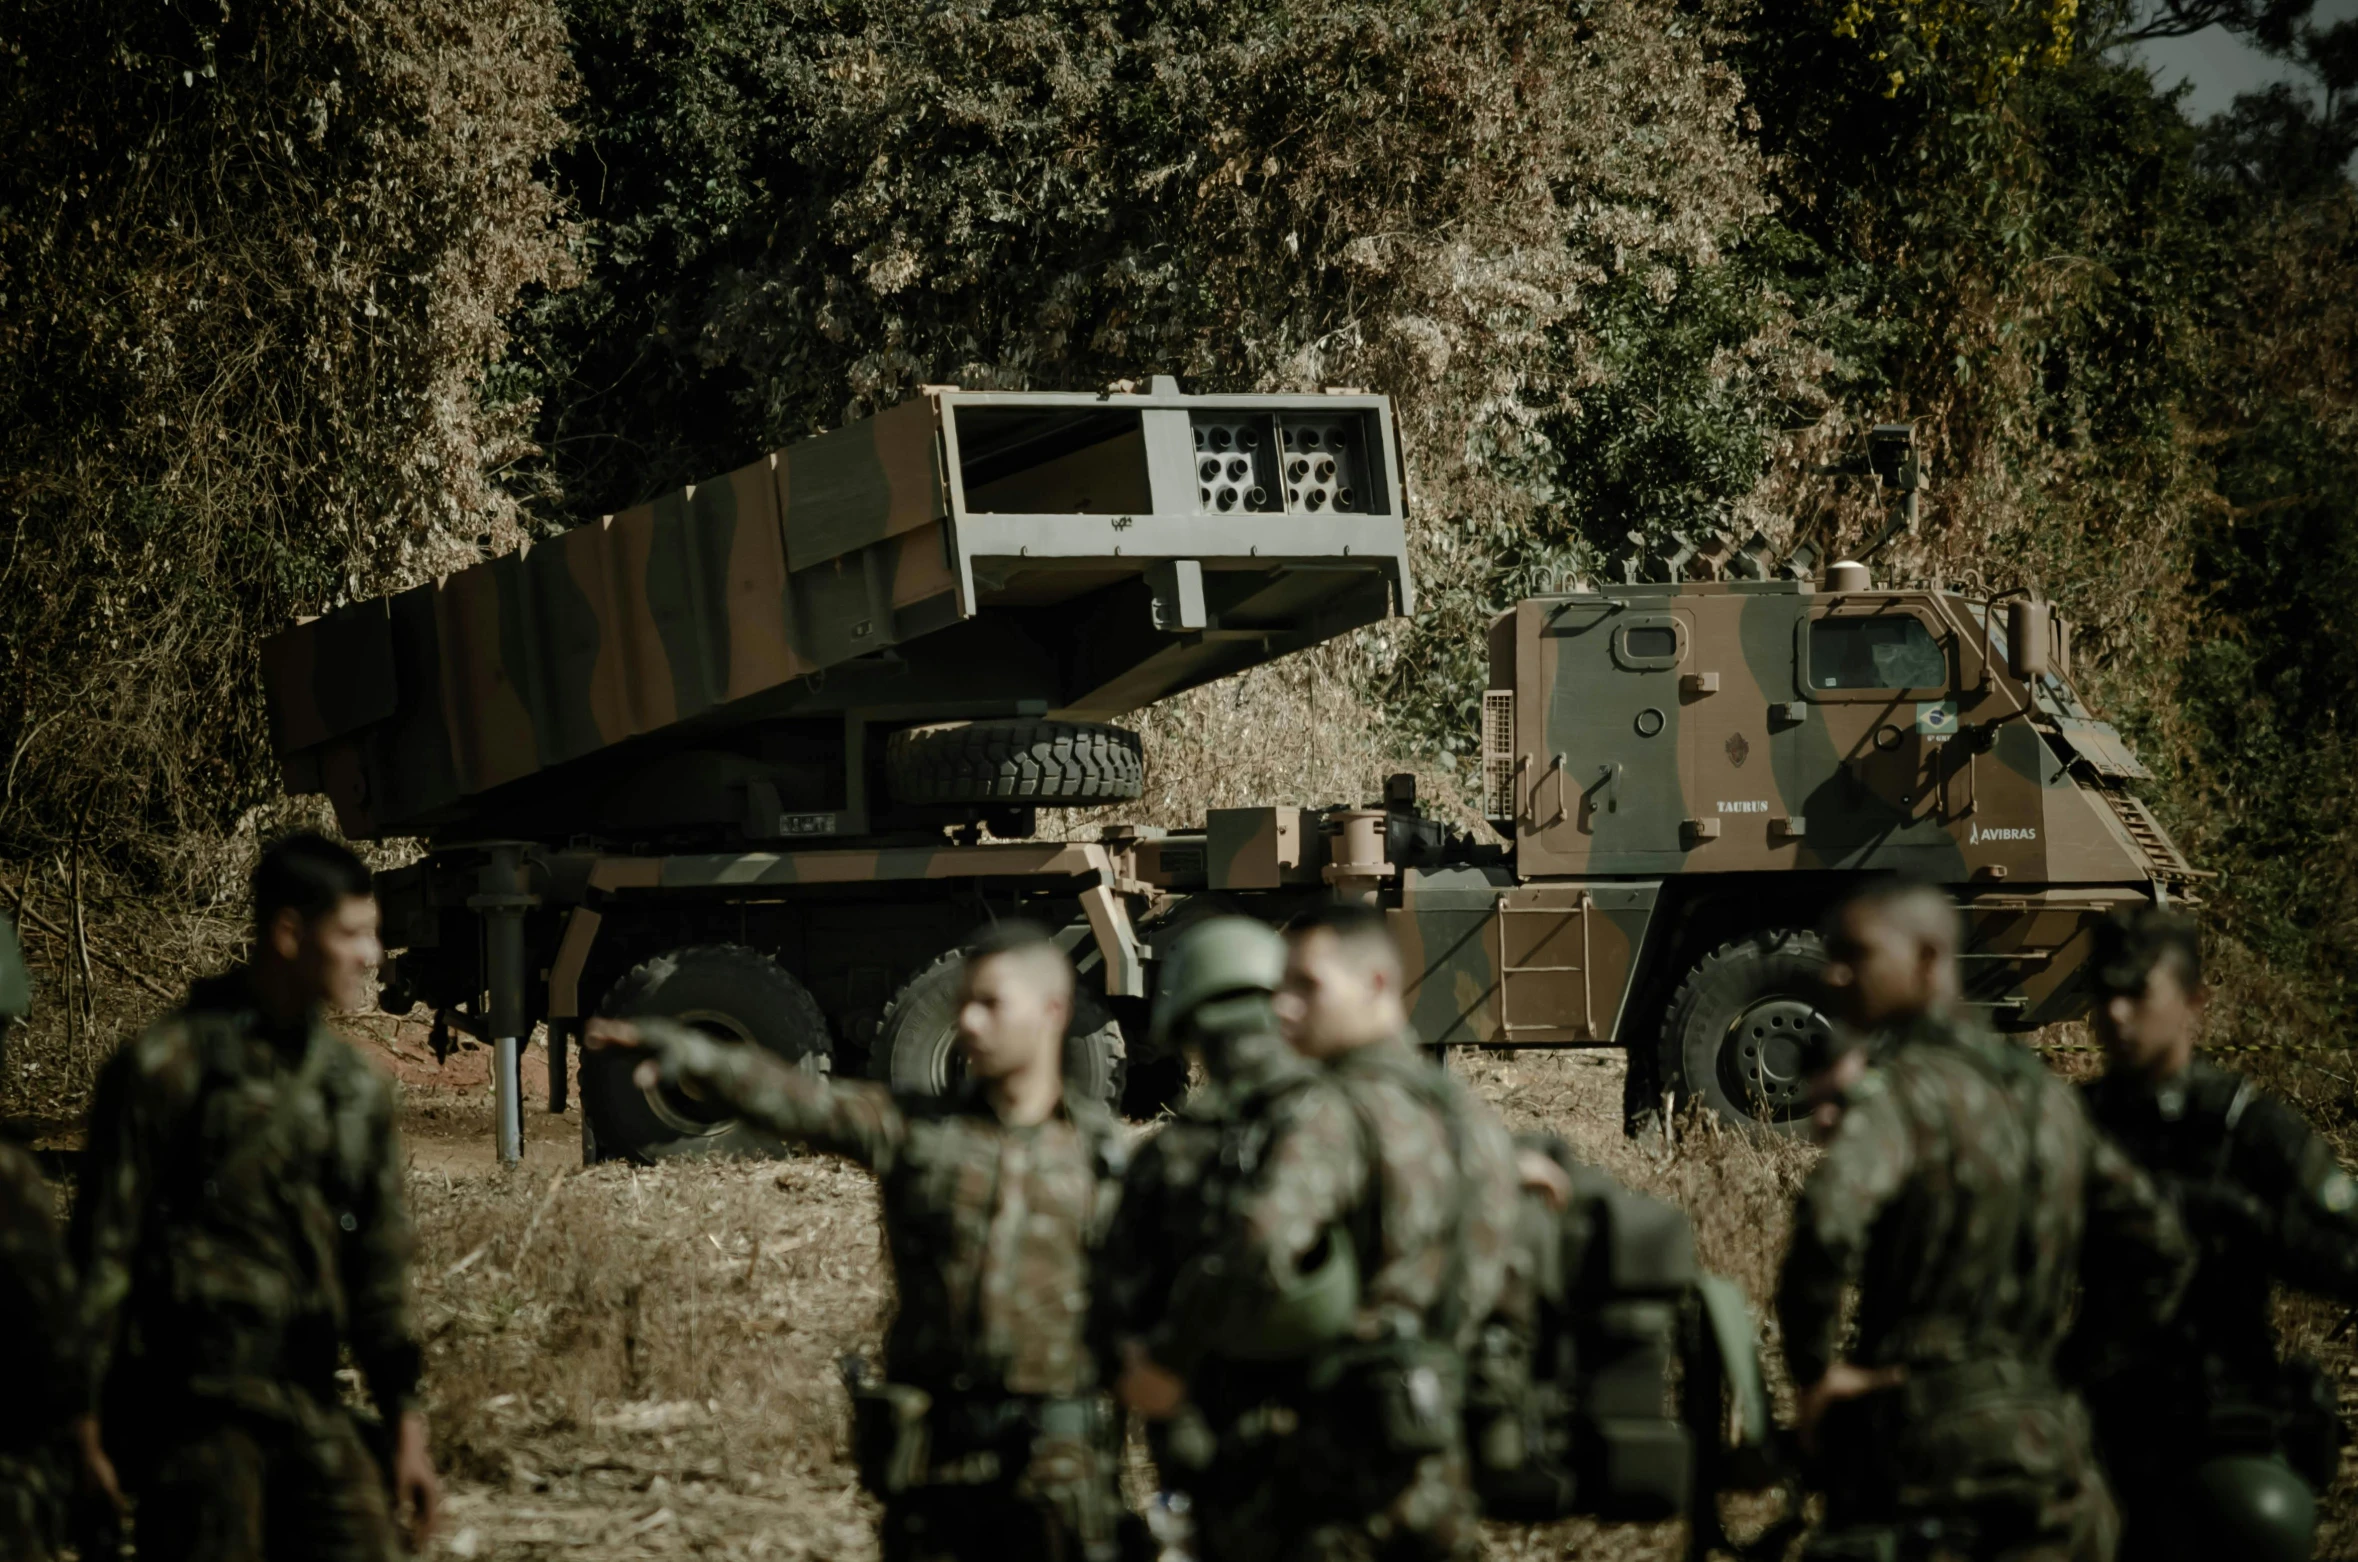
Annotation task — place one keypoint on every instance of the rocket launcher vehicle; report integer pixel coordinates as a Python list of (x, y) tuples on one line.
[(727, 660)]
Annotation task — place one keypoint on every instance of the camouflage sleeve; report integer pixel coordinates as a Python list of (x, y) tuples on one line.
[(116, 1183), (1315, 1173), (37, 1301), (2136, 1258), (1866, 1162), (860, 1121), (375, 1256), (2314, 1200)]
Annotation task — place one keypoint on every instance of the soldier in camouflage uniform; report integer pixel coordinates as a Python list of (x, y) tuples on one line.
[(1966, 1193), (990, 1436), (47, 1428), (1394, 1161), (2211, 1442), (1221, 1453), (241, 1225)]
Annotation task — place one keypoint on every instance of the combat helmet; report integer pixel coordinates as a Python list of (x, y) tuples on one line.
[(2246, 1505), (1217, 958)]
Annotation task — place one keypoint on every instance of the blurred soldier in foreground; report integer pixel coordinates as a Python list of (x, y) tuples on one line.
[(990, 1437), (2211, 1442), (1220, 1454), (1391, 1158), (47, 1428), (1967, 1194), (241, 1224)]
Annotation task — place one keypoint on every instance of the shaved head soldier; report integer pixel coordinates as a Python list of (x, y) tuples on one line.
[(1391, 1160), (242, 1227), (1965, 1193), (2212, 1441), (990, 1436)]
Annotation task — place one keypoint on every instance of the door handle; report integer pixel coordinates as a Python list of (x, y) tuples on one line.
[(1556, 771), (1607, 775)]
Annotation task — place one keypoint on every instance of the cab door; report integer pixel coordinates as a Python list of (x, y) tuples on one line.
[(1597, 773), (1880, 676)]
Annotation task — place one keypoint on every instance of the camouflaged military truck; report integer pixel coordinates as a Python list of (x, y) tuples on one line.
[(1688, 775), (759, 754)]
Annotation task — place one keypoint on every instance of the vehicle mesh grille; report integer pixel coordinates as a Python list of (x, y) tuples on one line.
[(1498, 753)]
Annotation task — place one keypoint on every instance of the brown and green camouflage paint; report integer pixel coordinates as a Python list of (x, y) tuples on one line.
[(1498, 962), (706, 596), (1676, 730), (1261, 848), (722, 603), (1669, 731)]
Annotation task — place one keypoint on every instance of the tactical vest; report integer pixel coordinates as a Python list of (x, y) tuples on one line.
[(907, 1435), (1603, 1382)]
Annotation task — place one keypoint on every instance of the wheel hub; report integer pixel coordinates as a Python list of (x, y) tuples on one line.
[(1767, 1053), (685, 1110)]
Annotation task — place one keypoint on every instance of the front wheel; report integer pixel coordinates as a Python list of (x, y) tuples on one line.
[(1740, 1029)]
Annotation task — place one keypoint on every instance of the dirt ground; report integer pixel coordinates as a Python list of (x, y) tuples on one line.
[(637, 1363)]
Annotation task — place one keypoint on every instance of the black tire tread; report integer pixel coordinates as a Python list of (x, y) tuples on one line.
[(1036, 762), (1710, 971), (616, 1125)]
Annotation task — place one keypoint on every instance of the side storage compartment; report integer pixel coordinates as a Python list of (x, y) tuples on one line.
[(1493, 962)]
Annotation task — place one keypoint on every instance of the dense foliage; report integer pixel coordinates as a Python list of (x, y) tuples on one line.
[(284, 297), (253, 262)]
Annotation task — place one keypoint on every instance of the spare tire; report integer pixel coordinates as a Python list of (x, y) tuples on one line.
[(724, 990), (1076, 762), (917, 1046)]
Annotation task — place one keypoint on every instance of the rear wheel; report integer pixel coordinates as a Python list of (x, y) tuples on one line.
[(1740, 1027), (917, 1046), (726, 991)]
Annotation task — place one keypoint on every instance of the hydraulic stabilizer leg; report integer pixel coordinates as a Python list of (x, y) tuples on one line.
[(503, 902)]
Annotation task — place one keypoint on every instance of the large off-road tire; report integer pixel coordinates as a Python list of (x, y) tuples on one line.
[(724, 990), (1738, 1027), (917, 1046), (1035, 762)]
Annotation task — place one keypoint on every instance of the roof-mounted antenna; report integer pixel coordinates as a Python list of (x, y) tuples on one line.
[(1892, 452)]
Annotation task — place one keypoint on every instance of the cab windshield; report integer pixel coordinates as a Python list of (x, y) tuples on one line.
[(1894, 652)]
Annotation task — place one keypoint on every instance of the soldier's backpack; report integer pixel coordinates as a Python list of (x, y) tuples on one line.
[(1616, 1379)]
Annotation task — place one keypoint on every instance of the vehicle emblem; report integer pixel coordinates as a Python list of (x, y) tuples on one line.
[(1738, 750)]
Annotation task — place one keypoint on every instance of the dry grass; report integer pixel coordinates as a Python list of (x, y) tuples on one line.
[(641, 1363)]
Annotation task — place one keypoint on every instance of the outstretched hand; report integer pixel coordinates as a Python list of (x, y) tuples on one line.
[(606, 1032)]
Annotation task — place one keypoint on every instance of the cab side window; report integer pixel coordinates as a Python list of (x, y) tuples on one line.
[(1653, 641), (1890, 652)]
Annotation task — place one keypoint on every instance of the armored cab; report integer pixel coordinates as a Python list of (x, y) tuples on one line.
[(1687, 775)]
